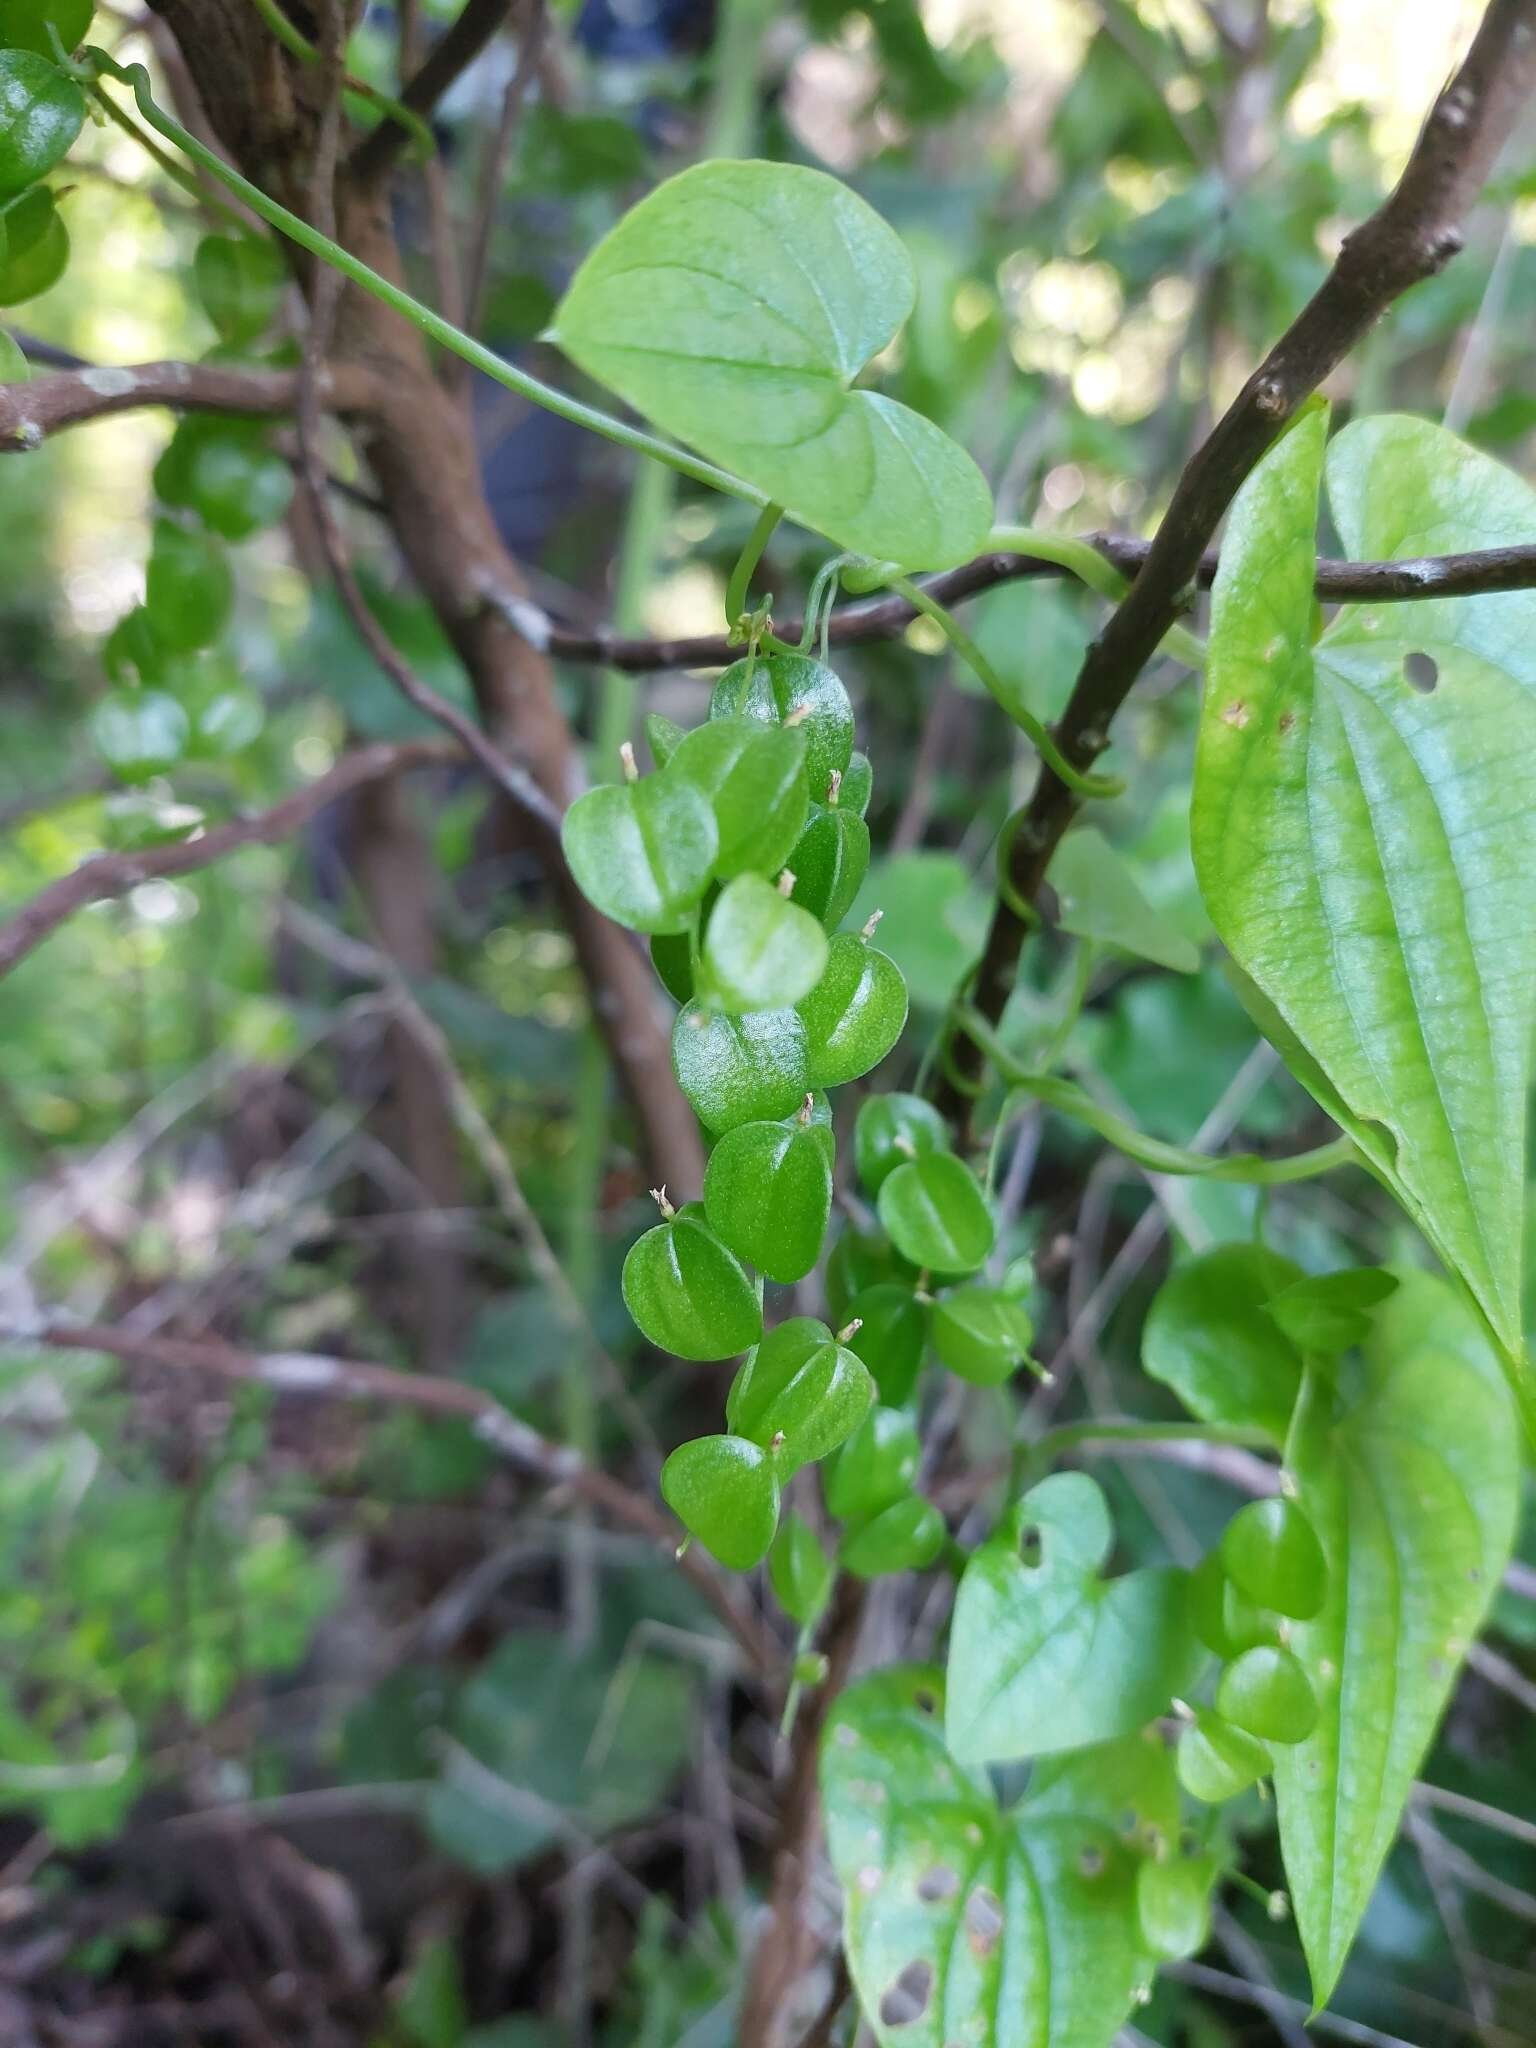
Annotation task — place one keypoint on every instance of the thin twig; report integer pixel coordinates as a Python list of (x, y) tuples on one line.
[(103, 876), (319, 1374), (450, 56)]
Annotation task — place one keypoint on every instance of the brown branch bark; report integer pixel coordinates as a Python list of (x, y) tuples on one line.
[(107, 875), (1412, 236), (1473, 574), (319, 1375), (29, 413)]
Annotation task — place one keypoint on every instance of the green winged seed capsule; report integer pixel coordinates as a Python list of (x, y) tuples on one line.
[(1271, 1553), (140, 732), (226, 471), (793, 690), (189, 588), (36, 248), (1267, 1693), (860, 1259), (858, 784), (663, 736), (1217, 1761), (672, 959), (761, 952), (240, 280), (642, 851), (799, 1571), (768, 1195), (890, 1130), (686, 1291), (875, 1468), (1173, 1904), (800, 1394), (41, 112), (891, 1337), (982, 1334), (738, 1070), (937, 1215), (1224, 1618), (905, 1537), (725, 1492), (828, 862), (754, 777), (854, 1014)]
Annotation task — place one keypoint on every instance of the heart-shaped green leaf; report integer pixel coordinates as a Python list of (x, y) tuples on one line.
[(687, 1292), (761, 952), (982, 1334), (800, 1571), (891, 1129), (768, 1194), (875, 1468), (799, 1394), (189, 590), (891, 1338), (829, 861), (1411, 1480), (739, 1070), (642, 851), (663, 736), (755, 779), (36, 247), (905, 1537), (735, 306), (854, 1014), (936, 1214), (967, 1924), (1207, 1337), (1326, 1313), (1270, 1551), (41, 112), (225, 471), (140, 732), (1044, 1654), (1100, 899), (25, 24), (724, 1491), (240, 280), (1364, 823), (791, 690)]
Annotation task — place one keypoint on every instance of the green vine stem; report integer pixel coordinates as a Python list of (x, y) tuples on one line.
[(1080, 784), (297, 45), (1071, 1099), (746, 563), (96, 62), (1084, 561)]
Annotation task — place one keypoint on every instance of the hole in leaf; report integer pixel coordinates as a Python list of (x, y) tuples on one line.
[(938, 1883), (1029, 1545), (1421, 671), (907, 1998), (983, 1920), (924, 1701)]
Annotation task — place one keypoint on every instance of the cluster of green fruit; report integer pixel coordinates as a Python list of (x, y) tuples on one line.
[(739, 857), (1268, 1571), (176, 695), (42, 110)]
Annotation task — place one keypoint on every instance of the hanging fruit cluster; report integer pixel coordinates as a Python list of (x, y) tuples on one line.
[(1267, 1571), (739, 857)]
